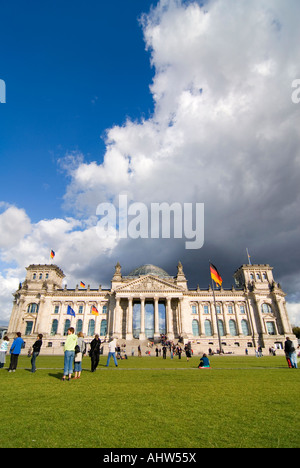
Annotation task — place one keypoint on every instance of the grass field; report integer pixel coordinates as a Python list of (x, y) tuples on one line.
[(149, 402)]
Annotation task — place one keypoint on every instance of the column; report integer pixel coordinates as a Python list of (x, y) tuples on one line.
[(85, 320), (170, 330), (156, 318), (116, 327), (61, 320), (284, 317), (199, 318), (179, 316), (142, 334), (214, 320), (129, 335), (36, 326), (97, 320), (236, 316), (226, 328)]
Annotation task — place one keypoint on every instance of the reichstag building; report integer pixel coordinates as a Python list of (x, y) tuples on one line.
[(148, 303)]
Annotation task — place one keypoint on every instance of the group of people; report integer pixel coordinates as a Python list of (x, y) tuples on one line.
[(15, 351), (75, 349)]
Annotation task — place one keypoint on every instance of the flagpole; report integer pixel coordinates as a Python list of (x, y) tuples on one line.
[(248, 256), (215, 303)]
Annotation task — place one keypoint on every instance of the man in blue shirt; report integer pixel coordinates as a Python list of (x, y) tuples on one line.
[(15, 351)]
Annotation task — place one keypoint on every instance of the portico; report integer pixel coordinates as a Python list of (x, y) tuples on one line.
[(145, 316)]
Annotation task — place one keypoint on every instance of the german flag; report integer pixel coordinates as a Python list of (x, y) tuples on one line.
[(215, 275), (94, 310), (82, 284), (52, 254)]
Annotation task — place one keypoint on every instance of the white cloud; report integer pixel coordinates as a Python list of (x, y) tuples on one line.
[(9, 284), (76, 243), (14, 225), (294, 313), (224, 132)]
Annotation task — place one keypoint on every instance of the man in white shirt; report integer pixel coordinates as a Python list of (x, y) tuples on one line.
[(112, 352)]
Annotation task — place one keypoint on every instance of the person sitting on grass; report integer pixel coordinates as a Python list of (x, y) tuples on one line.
[(204, 362)]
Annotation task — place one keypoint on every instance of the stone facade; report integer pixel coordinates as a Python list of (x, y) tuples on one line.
[(147, 303)]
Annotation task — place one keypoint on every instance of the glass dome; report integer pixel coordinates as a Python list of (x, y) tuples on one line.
[(149, 270)]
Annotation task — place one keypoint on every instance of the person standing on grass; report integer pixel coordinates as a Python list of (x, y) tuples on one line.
[(95, 352), (78, 356), (3, 351), (187, 352), (36, 351), (69, 350), (15, 352), (291, 353), (112, 352)]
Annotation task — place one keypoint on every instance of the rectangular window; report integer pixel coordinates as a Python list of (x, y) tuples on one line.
[(29, 326)]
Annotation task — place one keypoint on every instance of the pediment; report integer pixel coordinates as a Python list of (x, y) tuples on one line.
[(149, 283), (30, 316), (268, 316)]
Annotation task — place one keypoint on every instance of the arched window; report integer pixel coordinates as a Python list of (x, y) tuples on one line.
[(91, 328), (54, 327), (79, 326), (33, 308), (245, 327), (232, 328), (67, 326), (221, 327), (103, 328), (266, 309), (195, 327), (207, 328)]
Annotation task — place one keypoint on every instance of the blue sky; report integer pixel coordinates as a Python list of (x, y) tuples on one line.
[(193, 105), (72, 70)]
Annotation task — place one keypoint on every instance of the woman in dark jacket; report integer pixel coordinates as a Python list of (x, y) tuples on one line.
[(95, 352), (35, 352)]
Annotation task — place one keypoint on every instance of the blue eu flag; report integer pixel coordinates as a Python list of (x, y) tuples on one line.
[(70, 311)]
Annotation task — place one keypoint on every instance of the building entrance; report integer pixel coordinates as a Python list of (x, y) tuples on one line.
[(149, 319)]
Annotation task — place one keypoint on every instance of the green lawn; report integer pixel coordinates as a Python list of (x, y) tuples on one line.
[(149, 402)]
